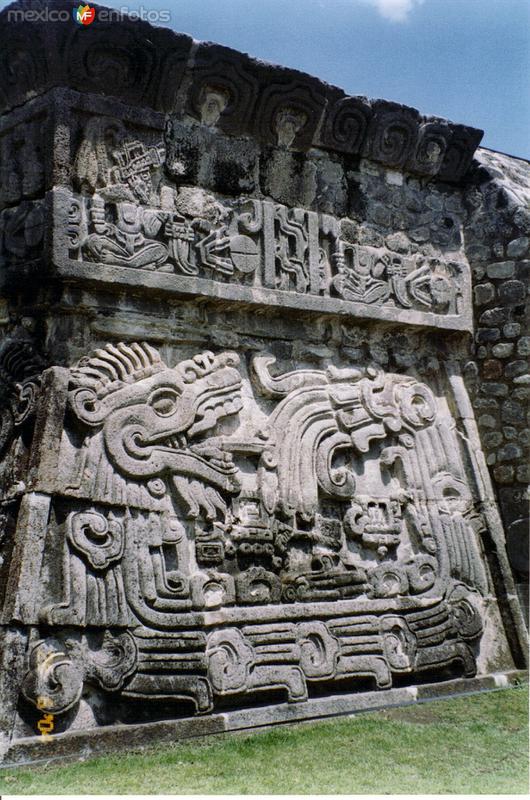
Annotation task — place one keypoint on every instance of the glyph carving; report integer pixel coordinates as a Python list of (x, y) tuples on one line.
[(133, 218), (58, 669)]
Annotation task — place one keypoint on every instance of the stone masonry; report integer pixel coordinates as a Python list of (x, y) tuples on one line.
[(498, 247), (263, 376)]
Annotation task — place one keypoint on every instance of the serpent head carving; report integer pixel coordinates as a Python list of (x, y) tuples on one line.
[(159, 422)]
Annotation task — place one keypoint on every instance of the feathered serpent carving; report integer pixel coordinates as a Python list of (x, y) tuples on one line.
[(113, 366)]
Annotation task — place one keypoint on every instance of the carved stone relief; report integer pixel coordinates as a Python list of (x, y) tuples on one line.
[(328, 515), (238, 464), (21, 365), (129, 215), (21, 161), (169, 72)]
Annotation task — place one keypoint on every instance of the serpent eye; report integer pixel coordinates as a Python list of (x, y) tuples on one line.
[(164, 402)]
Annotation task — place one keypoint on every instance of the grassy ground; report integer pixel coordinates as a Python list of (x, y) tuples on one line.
[(468, 745)]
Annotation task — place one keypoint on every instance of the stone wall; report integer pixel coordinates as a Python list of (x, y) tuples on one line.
[(497, 244), (241, 472)]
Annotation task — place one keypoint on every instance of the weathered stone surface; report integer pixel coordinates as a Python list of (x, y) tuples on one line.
[(512, 411), (504, 269), (484, 293), (494, 389), (168, 72), (514, 368), (523, 346), (239, 462), (494, 317), (509, 452), (487, 335), (512, 329), (487, 421), (523, 269), (112, 738), (512, 292), (518, 248), (492, 439), (502, 350), (523, 473), (491, 368), (496, 242), (521, 393), (504, 474)]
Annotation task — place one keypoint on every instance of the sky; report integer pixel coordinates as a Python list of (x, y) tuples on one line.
[(466, 60)]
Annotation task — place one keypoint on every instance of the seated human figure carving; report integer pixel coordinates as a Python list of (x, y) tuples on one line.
[(128, 241), (123, 225)]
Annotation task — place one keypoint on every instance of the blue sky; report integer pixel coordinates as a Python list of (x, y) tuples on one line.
[(467, 60)]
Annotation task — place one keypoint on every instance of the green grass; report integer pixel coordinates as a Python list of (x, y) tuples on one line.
[(467, 745)]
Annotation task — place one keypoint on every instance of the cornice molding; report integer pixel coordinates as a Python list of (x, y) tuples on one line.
[(168, 72)]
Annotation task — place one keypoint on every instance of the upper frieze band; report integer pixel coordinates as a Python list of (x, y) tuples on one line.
[(156, 68)]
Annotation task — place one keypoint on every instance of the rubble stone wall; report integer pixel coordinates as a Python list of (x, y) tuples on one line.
[(497, 241)]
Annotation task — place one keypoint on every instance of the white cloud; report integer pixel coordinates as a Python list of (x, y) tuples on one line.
[(395, 10)]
